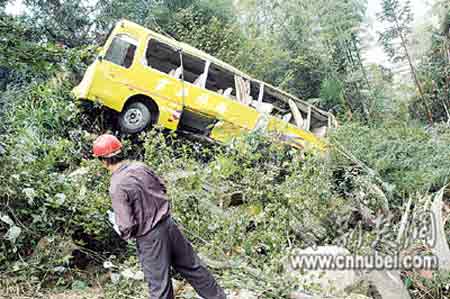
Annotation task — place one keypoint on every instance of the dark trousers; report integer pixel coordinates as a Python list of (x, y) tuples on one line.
[(165, 246)]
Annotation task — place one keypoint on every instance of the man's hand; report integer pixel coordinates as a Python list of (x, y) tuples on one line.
[(112, 220)]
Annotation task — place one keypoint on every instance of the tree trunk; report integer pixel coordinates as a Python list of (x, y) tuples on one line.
[(414, 74), (445, 25)]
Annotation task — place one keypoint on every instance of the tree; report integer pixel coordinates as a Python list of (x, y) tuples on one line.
[(321, 42), (22, 55), (398, 18), (444, 8), (445, 25), (2, 5), (139, 11), (68, 23), (78, 23), (434, 68)]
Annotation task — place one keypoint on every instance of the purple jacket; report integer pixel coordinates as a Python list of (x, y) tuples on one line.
[(138, 198)]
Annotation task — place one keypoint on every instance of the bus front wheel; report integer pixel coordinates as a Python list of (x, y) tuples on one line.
[(135, 118)]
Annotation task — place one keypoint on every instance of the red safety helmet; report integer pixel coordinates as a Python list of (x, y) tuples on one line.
[(106, 146)]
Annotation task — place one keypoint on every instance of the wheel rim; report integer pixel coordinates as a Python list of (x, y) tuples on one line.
[(134, 118)]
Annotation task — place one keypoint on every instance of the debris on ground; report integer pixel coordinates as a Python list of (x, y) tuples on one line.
[(321, 282)]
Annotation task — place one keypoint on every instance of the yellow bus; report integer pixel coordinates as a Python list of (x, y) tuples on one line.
[(151, 79)]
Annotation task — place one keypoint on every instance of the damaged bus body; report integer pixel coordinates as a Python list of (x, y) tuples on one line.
[(151, 79)]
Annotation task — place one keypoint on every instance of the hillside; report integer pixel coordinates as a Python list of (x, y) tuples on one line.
[(246, 205)]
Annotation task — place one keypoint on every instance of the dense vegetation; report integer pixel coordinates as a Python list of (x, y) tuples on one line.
[(244, 205)]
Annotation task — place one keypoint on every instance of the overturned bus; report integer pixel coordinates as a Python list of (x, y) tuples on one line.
[(151, 79)]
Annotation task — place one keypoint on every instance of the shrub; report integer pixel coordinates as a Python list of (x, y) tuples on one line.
[(408, 158)]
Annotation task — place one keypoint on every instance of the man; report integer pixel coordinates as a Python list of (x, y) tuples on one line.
[(142, 211)]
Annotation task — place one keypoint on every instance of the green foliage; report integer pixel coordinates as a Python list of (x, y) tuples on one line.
[(331, 93), (304, 76), (164, 10), (434, 71), (320, 42), (39, 199), (109, 12), (236, 203), (245, 204), (407, 158), (67, 23), (21, 53), (196, 26), (287, 44), (399, 17), (210, 27), (239, 203)]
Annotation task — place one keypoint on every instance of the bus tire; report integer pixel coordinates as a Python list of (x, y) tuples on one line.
[(135, 118)]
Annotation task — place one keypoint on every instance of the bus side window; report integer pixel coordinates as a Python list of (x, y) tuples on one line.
[(193, 69), (121, 51), (281, 108), (166, 59), (163, 58), (256, 93), (221, 81)]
